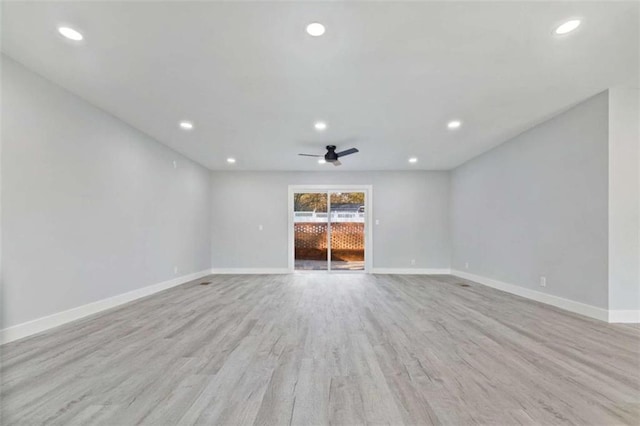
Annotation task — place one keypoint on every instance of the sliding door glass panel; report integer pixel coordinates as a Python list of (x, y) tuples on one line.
[(347, 231), (311, 231)]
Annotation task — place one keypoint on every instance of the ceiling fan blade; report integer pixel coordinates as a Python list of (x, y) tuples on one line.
[(337, 163), (347, 152), (311, 155)]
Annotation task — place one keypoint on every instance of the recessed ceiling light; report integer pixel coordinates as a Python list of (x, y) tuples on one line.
[(186, 125), (322, 161), (320, 126), (231, 160), (413, 160), (70, 33), (315, 29), (454, 124), (568, 26)]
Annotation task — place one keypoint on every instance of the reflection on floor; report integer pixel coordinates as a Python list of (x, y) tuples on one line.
[(336, 265)]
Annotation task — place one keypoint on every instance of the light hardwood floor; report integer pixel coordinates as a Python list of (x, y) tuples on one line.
[(313, 349)]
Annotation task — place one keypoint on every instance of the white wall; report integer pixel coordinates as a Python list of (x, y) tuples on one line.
[(538, 206), (624, 199), (92, 208), (412, 207)]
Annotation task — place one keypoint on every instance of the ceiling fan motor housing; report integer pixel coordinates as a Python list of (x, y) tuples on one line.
[(331, 153)]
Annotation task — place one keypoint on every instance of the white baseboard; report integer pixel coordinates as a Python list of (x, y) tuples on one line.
[(412, 271), (399, 271), (624, 316), (38, 325), (253, 271), (559, 302)]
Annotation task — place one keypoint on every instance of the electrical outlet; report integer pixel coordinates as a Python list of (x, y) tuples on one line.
[(466, 265), (377, 221), (260, 228), (175, 164), (413, 262), (543, 281), (175, 269)]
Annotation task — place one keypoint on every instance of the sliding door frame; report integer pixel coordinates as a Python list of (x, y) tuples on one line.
[(368, 229)]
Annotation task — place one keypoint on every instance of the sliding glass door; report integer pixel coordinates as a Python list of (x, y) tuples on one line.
[(347, 231), (329, 230), (311, 230)]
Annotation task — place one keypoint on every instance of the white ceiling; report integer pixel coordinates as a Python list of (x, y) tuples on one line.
[(386, 76)]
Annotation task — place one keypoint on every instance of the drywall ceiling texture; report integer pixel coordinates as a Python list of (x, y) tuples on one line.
[(386, 76), (412, 207), (92, 208), (624, 199), (538, 206)]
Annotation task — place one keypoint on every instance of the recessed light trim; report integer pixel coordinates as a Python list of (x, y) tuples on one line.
[(322, 161), (315, 29), (568, 26), (186, 125), (320, 126), (231, 160), (454, 124), (70, 33), (413, 160)]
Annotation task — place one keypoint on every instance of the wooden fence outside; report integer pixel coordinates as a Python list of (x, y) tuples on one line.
[(346, 235)]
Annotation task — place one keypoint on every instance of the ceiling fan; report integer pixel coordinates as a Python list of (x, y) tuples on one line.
[(332, 156)]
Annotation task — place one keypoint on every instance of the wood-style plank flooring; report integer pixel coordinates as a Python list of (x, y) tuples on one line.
[(312, 349)]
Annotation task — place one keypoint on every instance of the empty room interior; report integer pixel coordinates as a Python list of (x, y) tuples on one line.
[(322, 212)]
